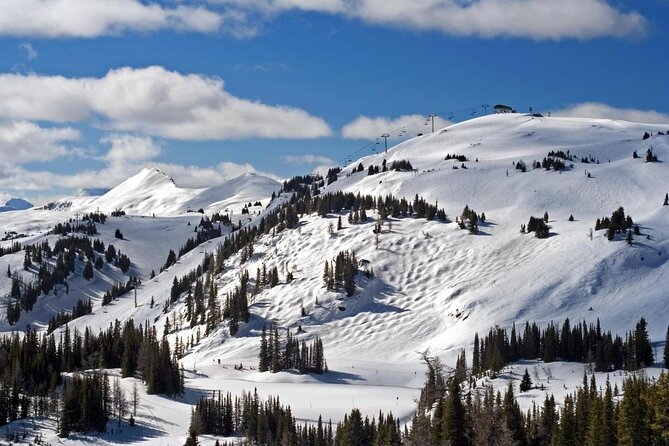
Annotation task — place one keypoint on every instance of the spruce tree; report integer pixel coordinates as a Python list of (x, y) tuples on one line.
[(455, 417), (88, 271), (666, 200), (642, 347), (526, 383), (263, 362)]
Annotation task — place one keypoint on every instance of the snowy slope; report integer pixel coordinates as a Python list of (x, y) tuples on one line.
[(435, 285)]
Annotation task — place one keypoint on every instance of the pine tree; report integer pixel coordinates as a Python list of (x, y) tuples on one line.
[(455, 422), (642, 346), (275, 364), (476, 357), (88, 271), (263, 362), (629, 239), (326, 275), (526, 383), (666, 200)]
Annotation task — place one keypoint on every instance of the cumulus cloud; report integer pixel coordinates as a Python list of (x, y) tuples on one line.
[(94, 18), (24, 142), (156, 102), (365, 127), (599, 110), (307, 158), (535, 19), (130, 148)]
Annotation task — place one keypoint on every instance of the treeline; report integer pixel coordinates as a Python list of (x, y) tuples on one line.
[(11, 249), (259, 422), (87, 228), (271, 423), (33, 364), (580, 343), (461, 415), (338, 202), (276, 355)]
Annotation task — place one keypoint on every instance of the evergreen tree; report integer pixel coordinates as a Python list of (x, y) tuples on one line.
[(263, 357), (642, 347), (454, 419), (666, 200), (88, 271), (526, 383)]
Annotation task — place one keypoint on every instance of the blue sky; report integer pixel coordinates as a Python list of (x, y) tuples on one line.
[(91, 91)]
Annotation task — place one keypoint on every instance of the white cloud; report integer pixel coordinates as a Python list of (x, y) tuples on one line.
[(127, 155), (93, 18), (364, 127), (536, 19), (24, 142), (599, 110), (130, 148), (31, 53), (156, 102), (308, 158)]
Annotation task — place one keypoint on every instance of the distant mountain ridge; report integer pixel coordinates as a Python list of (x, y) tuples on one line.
[(16, 204), (152, 191)]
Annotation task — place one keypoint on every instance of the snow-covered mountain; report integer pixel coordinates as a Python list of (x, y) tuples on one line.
[(434, 285), (15, 204), (154, 192)]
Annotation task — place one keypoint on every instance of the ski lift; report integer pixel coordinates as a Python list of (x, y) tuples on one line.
[(450, 117), (473, 112)]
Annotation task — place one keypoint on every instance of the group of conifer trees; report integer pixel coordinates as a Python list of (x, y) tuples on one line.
[(591, 415), (580, 343), (61, 318), (52, 273), (33, 364), (340, 273), (271, 423), (11, 249), (276, 355), (618, 223)]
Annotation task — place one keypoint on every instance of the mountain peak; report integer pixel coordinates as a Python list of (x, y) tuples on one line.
[(152, 175), (16, 204)]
